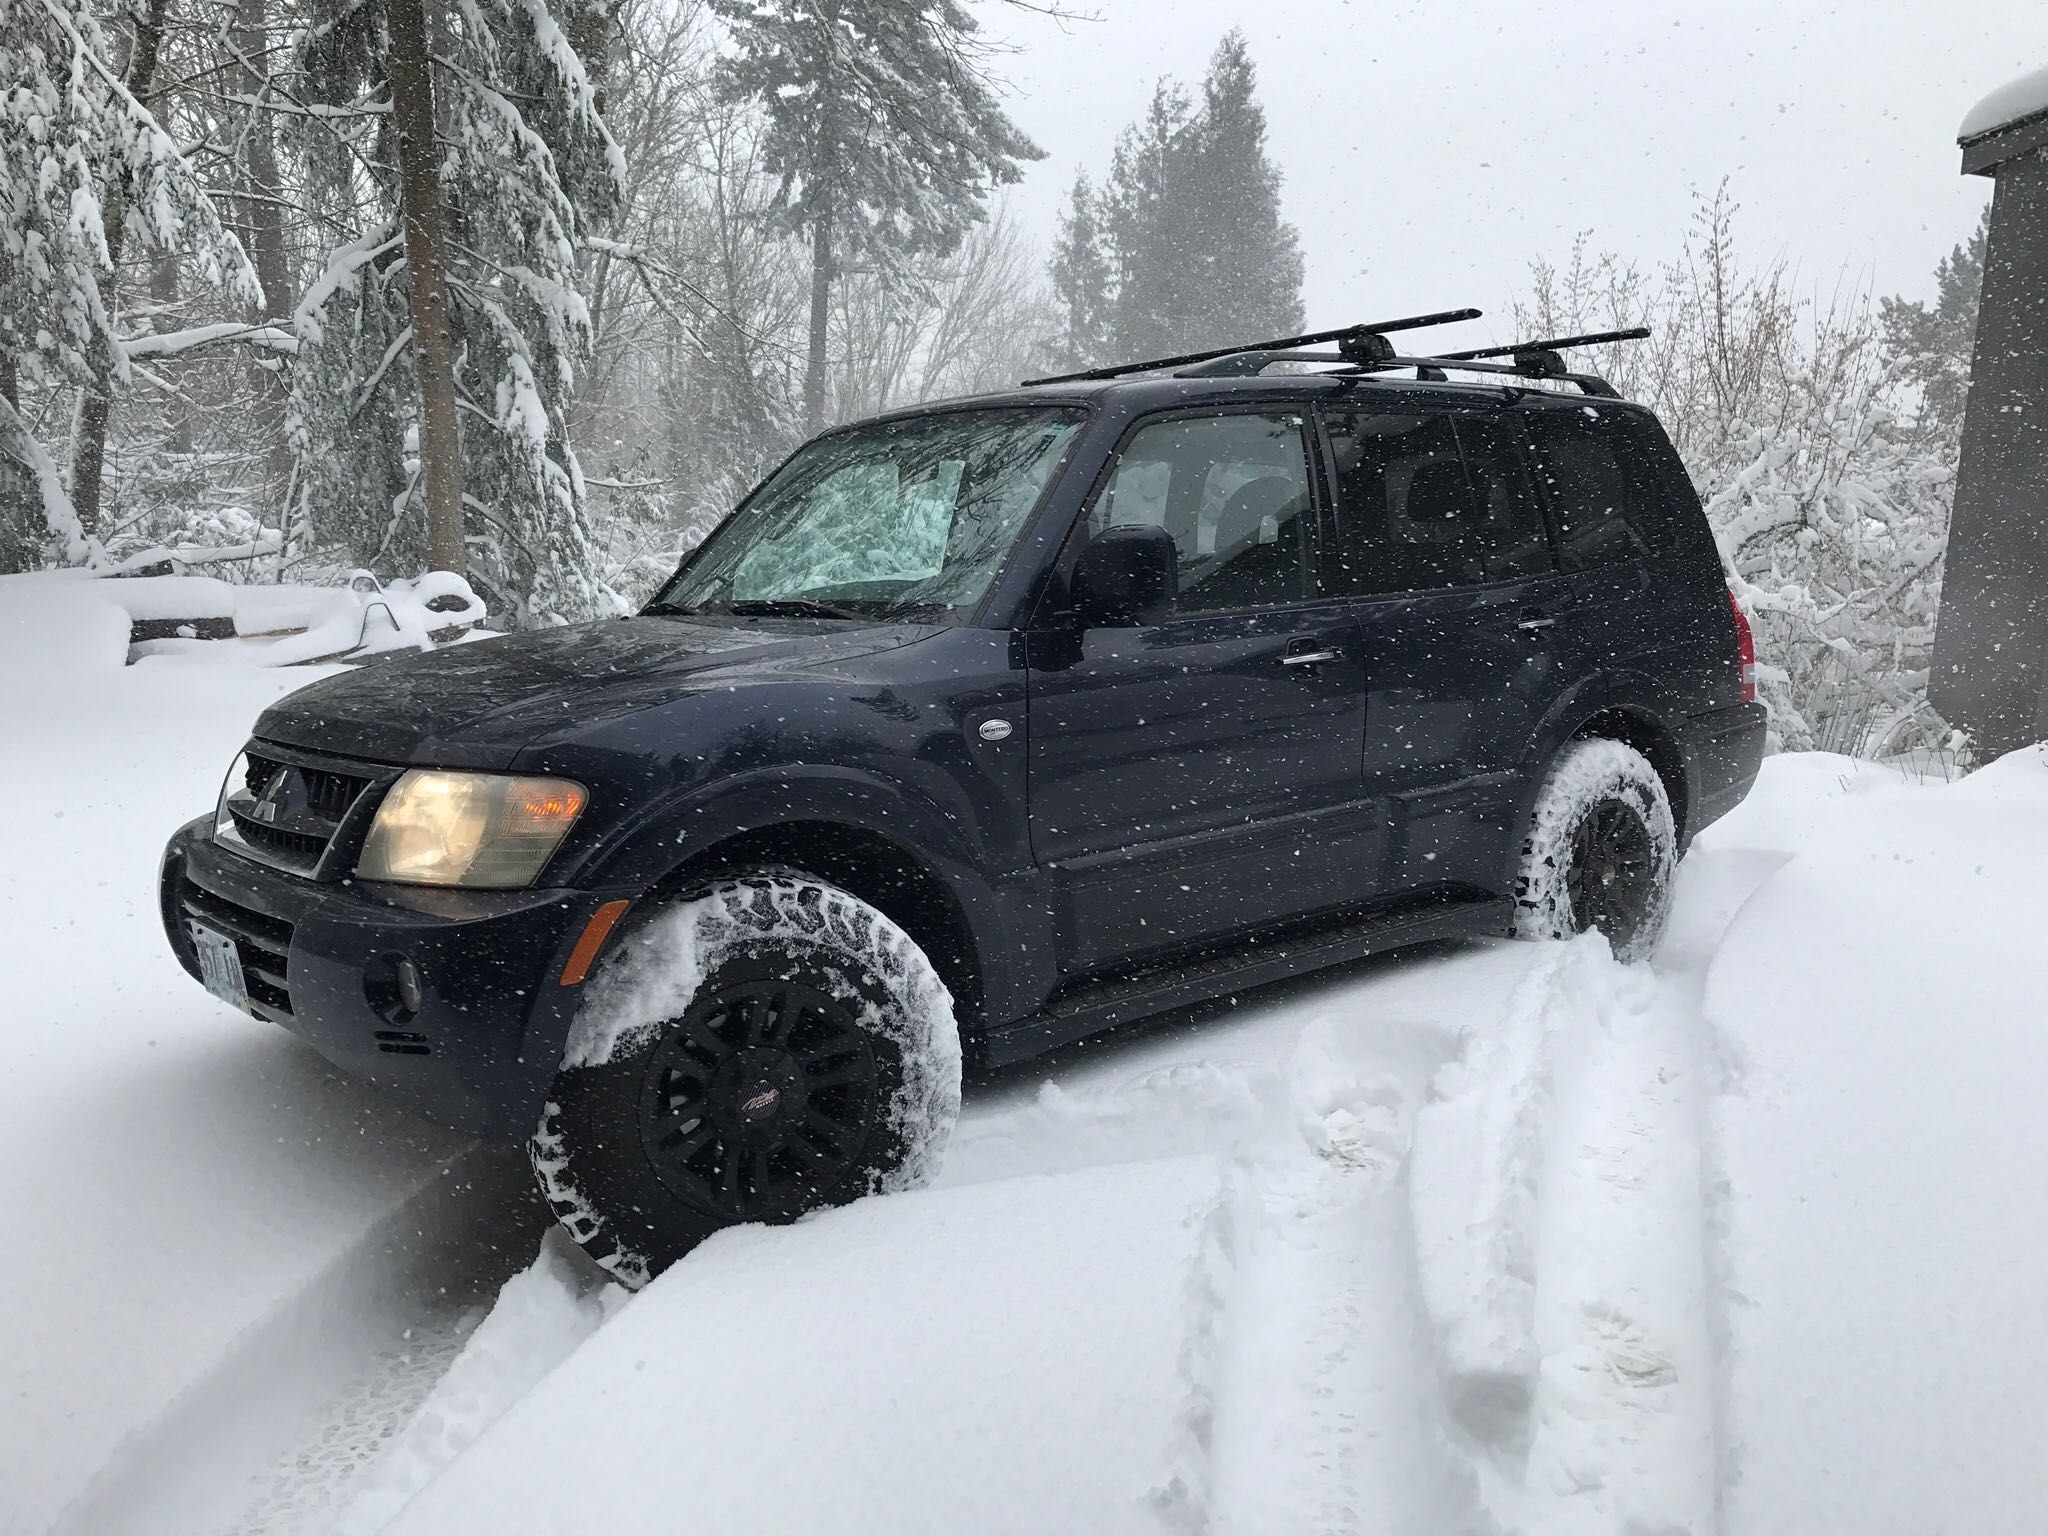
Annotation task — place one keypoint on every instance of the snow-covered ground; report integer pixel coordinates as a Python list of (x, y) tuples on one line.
[(1488, 1238)]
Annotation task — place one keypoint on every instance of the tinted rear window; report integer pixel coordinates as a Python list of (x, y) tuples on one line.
[(1429, 501), (1606, 488)]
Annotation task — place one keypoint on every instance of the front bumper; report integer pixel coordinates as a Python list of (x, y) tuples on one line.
[(487, 1038)]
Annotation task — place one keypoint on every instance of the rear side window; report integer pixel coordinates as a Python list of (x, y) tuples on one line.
[(1608, 496), (1428, 501)]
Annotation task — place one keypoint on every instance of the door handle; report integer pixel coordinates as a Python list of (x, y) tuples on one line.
[(1538, 621), (1306, 658)]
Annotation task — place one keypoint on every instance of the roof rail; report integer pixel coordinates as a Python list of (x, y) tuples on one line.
[(1355, 344), (1434, 368)]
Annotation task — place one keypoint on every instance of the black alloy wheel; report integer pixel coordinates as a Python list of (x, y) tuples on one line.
[(762, 1098), (1613, 873)]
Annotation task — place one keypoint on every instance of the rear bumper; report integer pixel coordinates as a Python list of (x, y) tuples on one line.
[(485, 1043), (1724, 749)]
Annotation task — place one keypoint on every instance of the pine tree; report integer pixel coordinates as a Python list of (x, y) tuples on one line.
[(1152, 229), (1199, 253), (1247, 259), (1933, 345), (86, 165), (884, 130), (527, 177), (1082, 281)]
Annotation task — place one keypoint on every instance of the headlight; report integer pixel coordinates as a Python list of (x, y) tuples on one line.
[(475, 829), (234, 790)]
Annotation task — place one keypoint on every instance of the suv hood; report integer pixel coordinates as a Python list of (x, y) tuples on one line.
[(476, 705)]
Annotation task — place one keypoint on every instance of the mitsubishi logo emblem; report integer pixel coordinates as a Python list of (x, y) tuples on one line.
[(271, 801)]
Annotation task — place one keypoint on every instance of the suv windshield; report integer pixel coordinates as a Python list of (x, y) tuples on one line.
[(901, 519)]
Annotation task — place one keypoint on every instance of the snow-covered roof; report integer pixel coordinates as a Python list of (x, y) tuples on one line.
[(2018, 98)]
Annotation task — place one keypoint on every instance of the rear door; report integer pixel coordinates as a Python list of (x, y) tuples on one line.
[(1199, 776), (1646, 596), (1442, 550)]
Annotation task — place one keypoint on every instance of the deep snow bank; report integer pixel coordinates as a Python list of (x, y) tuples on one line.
[(1413, 1249), (995, 1357), (1878, 1008), (177, 1173)]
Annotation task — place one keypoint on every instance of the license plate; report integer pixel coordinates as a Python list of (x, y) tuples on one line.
[(220, 966)]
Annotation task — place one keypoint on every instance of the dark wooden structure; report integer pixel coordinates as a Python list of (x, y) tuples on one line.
[(1990, 672)]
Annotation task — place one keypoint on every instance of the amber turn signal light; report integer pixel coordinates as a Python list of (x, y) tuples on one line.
[(591, 940)]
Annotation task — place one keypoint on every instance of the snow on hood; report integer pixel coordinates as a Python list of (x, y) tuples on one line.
[(2017, 98)]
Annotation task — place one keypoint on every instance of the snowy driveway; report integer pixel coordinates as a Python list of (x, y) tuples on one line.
[(1497, 1237)]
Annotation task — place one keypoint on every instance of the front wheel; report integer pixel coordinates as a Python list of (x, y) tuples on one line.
[(766, 1047), (1600, 852)]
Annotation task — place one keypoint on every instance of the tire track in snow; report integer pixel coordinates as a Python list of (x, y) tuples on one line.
[(1559, 1194), (279, 1432), (1313, 1400), (1460, 1284)]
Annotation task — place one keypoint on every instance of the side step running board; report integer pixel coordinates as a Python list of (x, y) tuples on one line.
[(1240, 962)]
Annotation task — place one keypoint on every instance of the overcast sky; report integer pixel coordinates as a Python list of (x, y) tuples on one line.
[(1432, 147)]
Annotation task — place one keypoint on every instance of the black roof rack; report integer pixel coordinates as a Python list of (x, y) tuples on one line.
[(1528, 360), (1355, 344), (1365, 349)]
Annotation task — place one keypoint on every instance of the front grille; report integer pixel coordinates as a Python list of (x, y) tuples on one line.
[(263, 942), (292, 810)]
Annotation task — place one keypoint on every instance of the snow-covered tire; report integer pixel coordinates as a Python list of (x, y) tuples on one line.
[(761, 1048), (1600, 851)]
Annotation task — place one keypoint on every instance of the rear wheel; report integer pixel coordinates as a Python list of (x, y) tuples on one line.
[(1600, 851), (767, 1047)]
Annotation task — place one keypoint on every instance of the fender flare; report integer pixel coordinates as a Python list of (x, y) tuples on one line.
[(646, 855), (1625, 689)]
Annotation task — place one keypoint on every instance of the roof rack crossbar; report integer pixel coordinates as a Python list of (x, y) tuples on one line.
[(1551, 344), (1353, 342)]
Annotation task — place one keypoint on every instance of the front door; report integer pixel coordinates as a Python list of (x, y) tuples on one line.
[(1200, 775)]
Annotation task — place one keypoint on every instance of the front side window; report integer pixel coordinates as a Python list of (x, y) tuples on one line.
[(901, 519), (1233, 491), (1429, 500)]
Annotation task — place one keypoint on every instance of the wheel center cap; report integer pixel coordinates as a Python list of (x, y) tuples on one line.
[(757, 1089)]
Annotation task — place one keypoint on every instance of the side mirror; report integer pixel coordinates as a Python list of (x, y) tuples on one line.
[(1127, 575)]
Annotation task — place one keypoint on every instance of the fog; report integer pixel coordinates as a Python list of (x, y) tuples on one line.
[(1432, 150)]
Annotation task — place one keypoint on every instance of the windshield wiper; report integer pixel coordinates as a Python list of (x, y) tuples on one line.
[(791, 608)]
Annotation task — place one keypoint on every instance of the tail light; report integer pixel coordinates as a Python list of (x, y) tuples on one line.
[(1745, 650)]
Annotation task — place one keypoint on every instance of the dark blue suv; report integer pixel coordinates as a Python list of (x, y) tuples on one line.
[(978, 728)]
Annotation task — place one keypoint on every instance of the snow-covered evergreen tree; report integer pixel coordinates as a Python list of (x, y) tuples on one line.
[(884, 128), (1934, 343), (76, 144), (1247, 258), (1083, 283), (1190, 216), (1154, 232), (528, 177)]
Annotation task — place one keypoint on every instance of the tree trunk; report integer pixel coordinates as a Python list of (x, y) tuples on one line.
[(263, 215), (21, 523), (426, 263), (821, 296), (96, 405), (263, 210)]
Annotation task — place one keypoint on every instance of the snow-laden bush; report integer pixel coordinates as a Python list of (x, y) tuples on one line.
[(1829, 503)]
